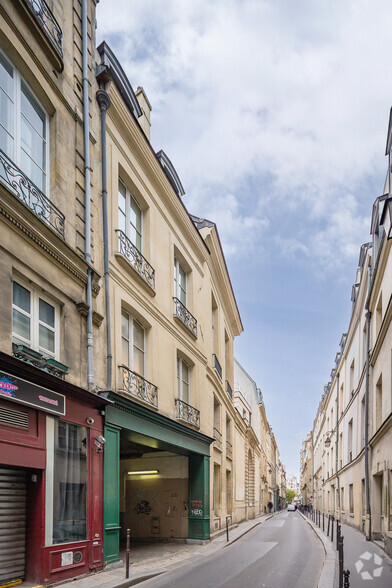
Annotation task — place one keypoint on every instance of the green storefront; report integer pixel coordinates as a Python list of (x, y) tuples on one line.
[(153, 430)]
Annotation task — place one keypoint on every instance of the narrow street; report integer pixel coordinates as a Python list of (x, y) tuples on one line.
[(281, 552)]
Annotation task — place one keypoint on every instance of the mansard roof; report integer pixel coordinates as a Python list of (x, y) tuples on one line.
[(171, 173)]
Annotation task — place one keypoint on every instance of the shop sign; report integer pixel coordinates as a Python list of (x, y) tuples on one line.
[(24, 392)]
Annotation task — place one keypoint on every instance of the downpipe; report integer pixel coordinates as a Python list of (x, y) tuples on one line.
[(337, 440)]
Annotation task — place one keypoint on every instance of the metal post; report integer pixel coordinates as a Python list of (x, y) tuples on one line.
[(329, 520), (332, 520), (128, 550), (340, 548), (338, 532), (227, 528), (323, 523), (346, 574)]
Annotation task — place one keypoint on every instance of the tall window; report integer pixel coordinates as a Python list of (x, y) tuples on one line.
[(132, 339), (35, 321), (351, 498), (130, 217), (183, 383), (70, 483), (23, 125), (179, 282)]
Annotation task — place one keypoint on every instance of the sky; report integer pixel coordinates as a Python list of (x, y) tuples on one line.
[(274, 114)]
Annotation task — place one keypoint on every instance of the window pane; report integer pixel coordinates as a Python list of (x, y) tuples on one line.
[(121, 195), (70, 483), (125, 352), (6, 141), (6, 77), (32, 171), (20, 324), (185, 392), (46, 313), (138, 335), (21, 297), (32, 111), (125, 325), (46, 338), (121, 220), (32, 143), (182, 296), (185, 373), (138, 361), (182, 277)]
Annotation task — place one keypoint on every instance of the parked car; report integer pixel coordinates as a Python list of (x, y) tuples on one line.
[(291, 506)]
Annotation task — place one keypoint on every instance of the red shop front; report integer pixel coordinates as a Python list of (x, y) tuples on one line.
[(51, 476)]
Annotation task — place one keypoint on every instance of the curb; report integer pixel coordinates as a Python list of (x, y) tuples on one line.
[(327, 575)]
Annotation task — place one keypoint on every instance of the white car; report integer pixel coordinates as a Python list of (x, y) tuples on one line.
[(291, 506)]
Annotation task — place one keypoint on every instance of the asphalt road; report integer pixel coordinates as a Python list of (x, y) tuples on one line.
[(282, 552)]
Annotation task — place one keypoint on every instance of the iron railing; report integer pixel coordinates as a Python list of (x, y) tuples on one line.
[(181, 312), (30, 195), (218, 438), (47, 22), (136, 259), (188, 413), (229, 449), (229, 389), (39, 360), (135, 385), (217, 365)]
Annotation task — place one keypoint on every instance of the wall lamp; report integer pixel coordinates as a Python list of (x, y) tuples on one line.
[(143, 472), (327, 441)]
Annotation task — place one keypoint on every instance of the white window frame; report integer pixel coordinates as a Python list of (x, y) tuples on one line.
[(131, 319), (33, 315), (177, 266), (129, 197), (16, 156), (180, 389)]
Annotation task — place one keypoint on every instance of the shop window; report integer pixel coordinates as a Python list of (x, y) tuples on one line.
[(133, 343), (130, 216), (23, 125), (35, 320), (70, 483)]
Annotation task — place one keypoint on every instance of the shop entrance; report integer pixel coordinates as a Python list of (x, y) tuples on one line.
[(12, 524)]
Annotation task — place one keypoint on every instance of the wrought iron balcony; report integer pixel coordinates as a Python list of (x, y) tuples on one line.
[(137, 386), (229, 389), (218, 438), (188, 413), (217, 365), (136, 259), (47, 22), (181, 312), (30, 195)]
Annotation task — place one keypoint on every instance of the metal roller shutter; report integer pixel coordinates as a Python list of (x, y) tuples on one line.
[(12, 524)]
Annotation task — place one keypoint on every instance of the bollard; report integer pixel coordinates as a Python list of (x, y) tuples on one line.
[(127, 553), (227, 528), (341, 557), (332, 521), (323, 524), (338, 534), (329, 520), (346, 574)]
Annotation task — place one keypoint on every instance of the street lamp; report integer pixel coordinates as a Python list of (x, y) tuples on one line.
[(327, 440)]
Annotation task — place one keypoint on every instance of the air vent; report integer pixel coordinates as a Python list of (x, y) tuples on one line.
[(14, 418), (77, 557)]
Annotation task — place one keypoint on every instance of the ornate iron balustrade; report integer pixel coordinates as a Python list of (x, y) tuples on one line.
[(29, 194), (139, 387), (229, 389), (217, 365), (229, 449), (218, 438), (181, 312), (136, 259), (188, 413), (47, 22)]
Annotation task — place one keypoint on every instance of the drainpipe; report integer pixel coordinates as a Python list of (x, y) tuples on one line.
[(104, 103), (337, 439), (87, 200), (367, 478)]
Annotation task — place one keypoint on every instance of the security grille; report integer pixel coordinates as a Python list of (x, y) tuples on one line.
[(12, 524), (16, 418)]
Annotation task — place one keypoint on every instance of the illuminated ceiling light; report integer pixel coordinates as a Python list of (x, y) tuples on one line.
[(143, 472)]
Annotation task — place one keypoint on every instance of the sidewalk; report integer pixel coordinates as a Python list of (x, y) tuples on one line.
[(368, 563), (149, 560)]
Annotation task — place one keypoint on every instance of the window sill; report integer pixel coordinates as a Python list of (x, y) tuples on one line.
[(128, 266)]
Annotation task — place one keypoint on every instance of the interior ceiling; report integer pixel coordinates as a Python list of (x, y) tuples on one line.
[(134, 445)]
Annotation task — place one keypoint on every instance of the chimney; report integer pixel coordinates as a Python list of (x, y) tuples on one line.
[(145, 106)]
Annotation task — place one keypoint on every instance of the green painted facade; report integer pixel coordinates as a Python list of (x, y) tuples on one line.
[(154, 430)]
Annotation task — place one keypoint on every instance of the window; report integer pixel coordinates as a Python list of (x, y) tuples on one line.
[(342, 499), (35, 321), (130, 216), (183, 380), (132, 343), (179, 282), (69, 483), (379, 402), (23, 125), (351, 498)]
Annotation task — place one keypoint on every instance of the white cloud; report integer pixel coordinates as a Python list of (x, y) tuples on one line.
[(294, 96)]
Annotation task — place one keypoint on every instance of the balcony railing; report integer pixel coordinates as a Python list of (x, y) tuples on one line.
[(136, 259), (38, 360), (229, 390), (188, 413), (181, 312), (218, 438), (217, 365), (229, 449), (138, 387), (29, 194), (47, 22)]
